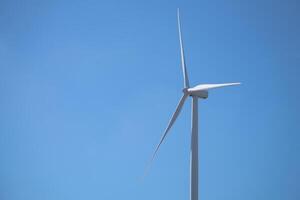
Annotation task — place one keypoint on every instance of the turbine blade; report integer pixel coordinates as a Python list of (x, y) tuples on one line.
[(171, 122), (183, 65), (211, 86)]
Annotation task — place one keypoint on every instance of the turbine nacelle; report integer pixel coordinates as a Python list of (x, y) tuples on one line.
[(203, 94)]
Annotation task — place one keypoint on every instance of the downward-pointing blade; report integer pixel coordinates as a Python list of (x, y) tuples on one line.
[(171, 122)]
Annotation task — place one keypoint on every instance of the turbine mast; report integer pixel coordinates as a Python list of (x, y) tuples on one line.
[(194, 151)]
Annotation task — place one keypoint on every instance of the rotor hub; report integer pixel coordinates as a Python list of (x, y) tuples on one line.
[(185, 90)]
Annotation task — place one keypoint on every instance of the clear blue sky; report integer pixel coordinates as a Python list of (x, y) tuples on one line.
[(87, 88)]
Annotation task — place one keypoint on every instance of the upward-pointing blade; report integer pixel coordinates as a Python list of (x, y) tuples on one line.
[(185, 76), (173, 119)]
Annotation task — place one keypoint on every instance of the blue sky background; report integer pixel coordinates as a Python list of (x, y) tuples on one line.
[(87, 88)]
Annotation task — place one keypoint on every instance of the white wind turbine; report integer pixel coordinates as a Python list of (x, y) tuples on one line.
[(199, 91)]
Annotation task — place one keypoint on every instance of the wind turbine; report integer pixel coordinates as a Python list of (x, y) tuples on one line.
[(199, 91)]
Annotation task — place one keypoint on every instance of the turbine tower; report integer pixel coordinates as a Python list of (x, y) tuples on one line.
[(197, 92)]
